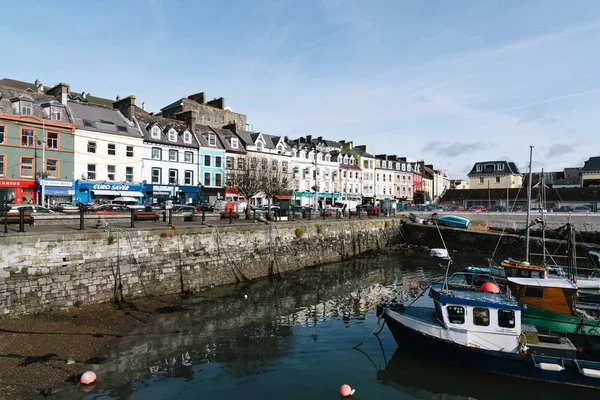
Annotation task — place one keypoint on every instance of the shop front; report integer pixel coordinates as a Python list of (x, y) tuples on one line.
[(100, 192), (15, 191), (212, 194), (55, 191)]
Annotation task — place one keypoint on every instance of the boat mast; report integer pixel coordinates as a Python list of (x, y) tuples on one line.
[(528, 206), (543, 208)]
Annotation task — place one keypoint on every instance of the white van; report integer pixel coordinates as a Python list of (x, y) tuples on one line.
[(130, 202), (345, 205)]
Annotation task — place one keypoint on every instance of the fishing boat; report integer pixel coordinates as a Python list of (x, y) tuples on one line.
[(454, 221), (483, 330)]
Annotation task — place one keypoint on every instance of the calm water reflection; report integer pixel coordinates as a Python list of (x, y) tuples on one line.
[(292, 338)]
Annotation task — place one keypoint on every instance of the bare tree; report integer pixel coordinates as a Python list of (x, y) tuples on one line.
[(275, 181), (247, 180)]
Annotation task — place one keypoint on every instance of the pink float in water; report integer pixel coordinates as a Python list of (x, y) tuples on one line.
[(88, 378), (346, 391)]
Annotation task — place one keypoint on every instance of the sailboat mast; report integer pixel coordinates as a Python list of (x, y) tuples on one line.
[(543, 208), (528, 206)]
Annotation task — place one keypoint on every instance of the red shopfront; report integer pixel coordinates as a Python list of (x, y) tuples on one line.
[(18, 191)]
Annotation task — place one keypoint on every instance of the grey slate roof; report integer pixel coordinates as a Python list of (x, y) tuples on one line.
[(174, 104), (202, 131), (362, 153), (510, 168), (225, 136), (591, 165), (147, 121), (246, 136), (104, 119), (39, 99)]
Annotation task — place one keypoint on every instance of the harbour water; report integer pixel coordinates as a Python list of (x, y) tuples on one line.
[(293, 338)]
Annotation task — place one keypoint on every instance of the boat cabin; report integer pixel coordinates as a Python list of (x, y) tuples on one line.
[(556, 295), (523, 269), (478, 319)]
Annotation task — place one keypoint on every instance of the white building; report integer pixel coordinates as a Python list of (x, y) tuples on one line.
[(351, 178), (385, 170), (108, 150), (170, 159)]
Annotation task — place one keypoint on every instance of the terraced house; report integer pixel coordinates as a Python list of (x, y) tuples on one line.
[(170, 157), (36, 145), (495, 175), (212, 164)]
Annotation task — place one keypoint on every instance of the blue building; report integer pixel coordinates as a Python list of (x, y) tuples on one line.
[(211, 164)]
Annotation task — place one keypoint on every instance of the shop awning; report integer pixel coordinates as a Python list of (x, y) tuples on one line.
[(105, 192), (131, 194), (283, 197), (58, 191)]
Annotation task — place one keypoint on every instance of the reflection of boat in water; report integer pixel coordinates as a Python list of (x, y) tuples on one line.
[(425, 378)]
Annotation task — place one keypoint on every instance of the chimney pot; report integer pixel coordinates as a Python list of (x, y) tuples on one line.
[(118, 97)]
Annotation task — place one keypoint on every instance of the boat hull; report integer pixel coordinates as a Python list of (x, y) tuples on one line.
[(496, 362), (454, 221), (585, 334)]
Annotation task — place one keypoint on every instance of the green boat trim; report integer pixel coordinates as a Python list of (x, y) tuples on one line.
[(556, 322)]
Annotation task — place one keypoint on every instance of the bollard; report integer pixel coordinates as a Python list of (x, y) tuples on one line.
[(324, 214), (170, 211), (203, 216), (358, 210), (309, 212), (230, 214), (21, 219), (254, 214), (5, 216), (132, 216), (81, 220)]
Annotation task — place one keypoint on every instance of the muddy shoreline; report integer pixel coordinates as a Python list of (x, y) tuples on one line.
[(40, 353)]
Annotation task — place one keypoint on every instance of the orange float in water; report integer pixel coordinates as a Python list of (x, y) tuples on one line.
[(490, 287), (346, 390), (88, 378)]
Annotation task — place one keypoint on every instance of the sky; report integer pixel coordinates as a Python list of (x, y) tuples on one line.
[(449, 82)]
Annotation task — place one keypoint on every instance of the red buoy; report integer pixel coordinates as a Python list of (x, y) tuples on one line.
[(490, 287), (88, 378), (346, 391)]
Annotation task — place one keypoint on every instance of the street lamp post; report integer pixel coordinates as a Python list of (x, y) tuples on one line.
[(199, 194)]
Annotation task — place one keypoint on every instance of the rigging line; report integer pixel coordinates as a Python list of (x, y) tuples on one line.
[(506, 223)]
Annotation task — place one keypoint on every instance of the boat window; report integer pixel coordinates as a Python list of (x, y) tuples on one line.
[(456, 314), (506, 318), (481, 316), (534, 292)]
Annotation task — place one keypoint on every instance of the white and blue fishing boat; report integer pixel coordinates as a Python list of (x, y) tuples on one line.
[(483, 330), (454, 221)]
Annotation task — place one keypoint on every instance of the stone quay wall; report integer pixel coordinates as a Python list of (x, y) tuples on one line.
[(41, 272)]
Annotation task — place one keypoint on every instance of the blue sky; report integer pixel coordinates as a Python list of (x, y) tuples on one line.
[(450, 82)]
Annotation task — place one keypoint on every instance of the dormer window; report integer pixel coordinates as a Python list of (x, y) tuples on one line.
[(187, 137), (234, 143), (26, 107), (378, 163), (280, 148), (259, 146), (390, 165), (327, 157), (351, 161), (403, 167), (155, 132), (172, 135), (408, 167), (212, 140), (479, 168), (500, 167)]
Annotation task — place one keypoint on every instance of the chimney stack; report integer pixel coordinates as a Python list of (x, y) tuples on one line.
[(40, 87), (61, 92), (83, 95), (309, 139), (198, 97), (118, 97), (126, 106), (217, 103)]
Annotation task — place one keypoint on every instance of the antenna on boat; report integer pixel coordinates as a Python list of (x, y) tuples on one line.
[(445, 283), (528, 206)]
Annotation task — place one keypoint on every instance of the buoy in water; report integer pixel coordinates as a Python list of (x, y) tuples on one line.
[(490, 287), (88, 378), (346, 391)]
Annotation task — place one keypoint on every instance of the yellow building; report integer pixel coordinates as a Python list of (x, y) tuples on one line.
[(495, 175), (590, 173)]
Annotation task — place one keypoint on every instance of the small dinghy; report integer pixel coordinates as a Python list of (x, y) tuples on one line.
[(454, 221)]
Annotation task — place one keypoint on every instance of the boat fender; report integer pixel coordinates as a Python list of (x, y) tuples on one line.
[(550, 367), (590, 373)]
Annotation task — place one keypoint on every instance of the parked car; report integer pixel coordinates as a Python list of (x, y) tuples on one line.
[(582, 209), (565, 209), (206, 207), (477, 209), (537, 209), (110, 209), (185, 211), (497, 209), (518, 209), (65, 208), (456, 209), (29, 208), (86, 206)]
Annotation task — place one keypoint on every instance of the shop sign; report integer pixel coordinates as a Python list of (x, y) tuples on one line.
[(10, 183), (157, 188), (107, 186), (58, 183)]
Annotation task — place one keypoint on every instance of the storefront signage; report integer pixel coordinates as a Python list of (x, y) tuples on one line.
[(10, 183), (106, 186), (57, 183), (156, 188)]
